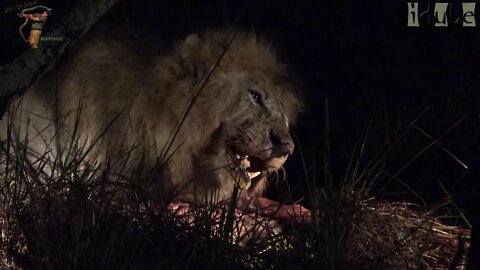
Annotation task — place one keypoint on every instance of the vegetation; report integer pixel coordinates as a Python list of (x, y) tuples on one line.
[(63, 214)]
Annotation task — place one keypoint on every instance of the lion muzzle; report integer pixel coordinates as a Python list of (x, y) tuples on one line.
[(282, 145)]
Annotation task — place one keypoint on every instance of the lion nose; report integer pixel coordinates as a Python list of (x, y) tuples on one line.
[(282, 145)]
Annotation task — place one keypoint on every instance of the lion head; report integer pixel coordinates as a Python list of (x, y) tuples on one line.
[(245, 105)]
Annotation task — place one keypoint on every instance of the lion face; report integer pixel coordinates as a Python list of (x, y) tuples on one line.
[(238, 129), (258, 127), (255, 123)]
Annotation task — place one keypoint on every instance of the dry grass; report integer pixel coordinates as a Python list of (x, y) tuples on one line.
[(400, 236), (76, 225)]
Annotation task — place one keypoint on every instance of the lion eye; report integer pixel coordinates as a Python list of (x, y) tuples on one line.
[(257, 97)]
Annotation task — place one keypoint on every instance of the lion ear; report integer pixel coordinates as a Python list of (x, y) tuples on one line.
[(192, 40)]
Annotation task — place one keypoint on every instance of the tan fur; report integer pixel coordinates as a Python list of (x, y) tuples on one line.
[(147, 94)]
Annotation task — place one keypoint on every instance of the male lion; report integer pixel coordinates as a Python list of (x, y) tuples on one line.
[(216, 126)]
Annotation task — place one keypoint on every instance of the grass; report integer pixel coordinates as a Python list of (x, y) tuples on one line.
[(77, 216)]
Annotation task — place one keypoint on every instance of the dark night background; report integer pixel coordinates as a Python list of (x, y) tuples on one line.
[(362, 57)]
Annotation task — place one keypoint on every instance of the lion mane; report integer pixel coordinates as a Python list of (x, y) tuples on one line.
[(215, 110)]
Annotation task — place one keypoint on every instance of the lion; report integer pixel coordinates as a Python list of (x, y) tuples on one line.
[(215, 111)]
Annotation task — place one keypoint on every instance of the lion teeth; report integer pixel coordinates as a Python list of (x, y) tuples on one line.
[(253, 174), (246, 163), (239, 157)]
